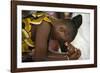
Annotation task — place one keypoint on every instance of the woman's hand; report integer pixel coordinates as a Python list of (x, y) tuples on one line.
[(73, 53)]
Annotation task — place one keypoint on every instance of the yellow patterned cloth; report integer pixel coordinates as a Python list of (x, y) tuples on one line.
[(26, 33)]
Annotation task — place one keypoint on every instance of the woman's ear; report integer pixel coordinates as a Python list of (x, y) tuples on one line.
[(77, 20)]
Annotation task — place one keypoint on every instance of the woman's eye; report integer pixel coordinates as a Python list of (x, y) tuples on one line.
[(61, 29)]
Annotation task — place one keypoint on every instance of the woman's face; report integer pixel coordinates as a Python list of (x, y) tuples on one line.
[(65, 33)]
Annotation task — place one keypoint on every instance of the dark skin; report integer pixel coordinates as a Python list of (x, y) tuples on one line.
[(60, 34), (49, 37), (41, 41)]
